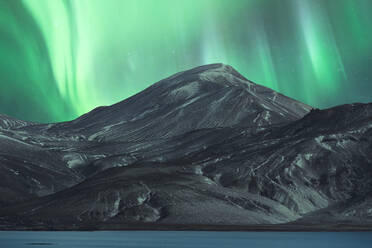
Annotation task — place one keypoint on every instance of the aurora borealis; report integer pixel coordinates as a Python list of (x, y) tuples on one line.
[(60, 59)]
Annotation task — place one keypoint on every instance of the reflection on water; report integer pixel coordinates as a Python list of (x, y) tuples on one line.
[(179, 239)]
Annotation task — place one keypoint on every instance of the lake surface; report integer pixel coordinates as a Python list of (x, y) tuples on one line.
[(179, 239)]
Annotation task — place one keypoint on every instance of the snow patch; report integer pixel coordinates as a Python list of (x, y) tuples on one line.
[(217, 177), (140, 116), (189, 102), (104, 130), (267, 116), (14, 172), (257, 117), (224, 71), (288, 171), (198, 170), (141, 199), (37, 182), (320, 142), (308, 156), (73, 160), (116, 205), (350, 212), (265, 106), (299, 161), (187, 90), (209, 181), (275, 95)]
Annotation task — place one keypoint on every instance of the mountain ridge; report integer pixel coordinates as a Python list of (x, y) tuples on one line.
[(203, 147)]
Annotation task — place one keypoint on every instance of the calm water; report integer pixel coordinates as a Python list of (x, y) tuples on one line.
[(184, 239)]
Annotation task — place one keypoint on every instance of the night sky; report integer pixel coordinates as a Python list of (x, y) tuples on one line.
[(60, 59)]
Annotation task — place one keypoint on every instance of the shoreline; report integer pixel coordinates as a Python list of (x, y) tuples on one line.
[(212, 228)]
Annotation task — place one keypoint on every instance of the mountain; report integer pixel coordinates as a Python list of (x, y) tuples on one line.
[(204, 148), (27, 168), (204, 97)]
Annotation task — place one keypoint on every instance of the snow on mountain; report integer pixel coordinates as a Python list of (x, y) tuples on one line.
[(204, 147)]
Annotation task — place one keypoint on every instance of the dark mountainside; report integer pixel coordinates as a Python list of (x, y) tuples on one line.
[(202, 149)]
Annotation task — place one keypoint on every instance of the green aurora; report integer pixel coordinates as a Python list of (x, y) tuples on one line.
[(60, 59)]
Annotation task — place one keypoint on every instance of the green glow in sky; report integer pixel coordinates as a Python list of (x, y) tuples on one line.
[(60, 59)]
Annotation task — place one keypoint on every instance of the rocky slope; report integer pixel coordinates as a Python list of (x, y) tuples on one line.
[(7, 122), (202, 147), (204, 97)]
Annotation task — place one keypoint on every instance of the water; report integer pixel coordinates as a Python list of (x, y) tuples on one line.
[(180, 239)]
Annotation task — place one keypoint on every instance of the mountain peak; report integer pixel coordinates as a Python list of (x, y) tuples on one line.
[(219, 73), (207, 96)]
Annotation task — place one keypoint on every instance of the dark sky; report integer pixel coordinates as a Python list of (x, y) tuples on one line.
[(60, 59)]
